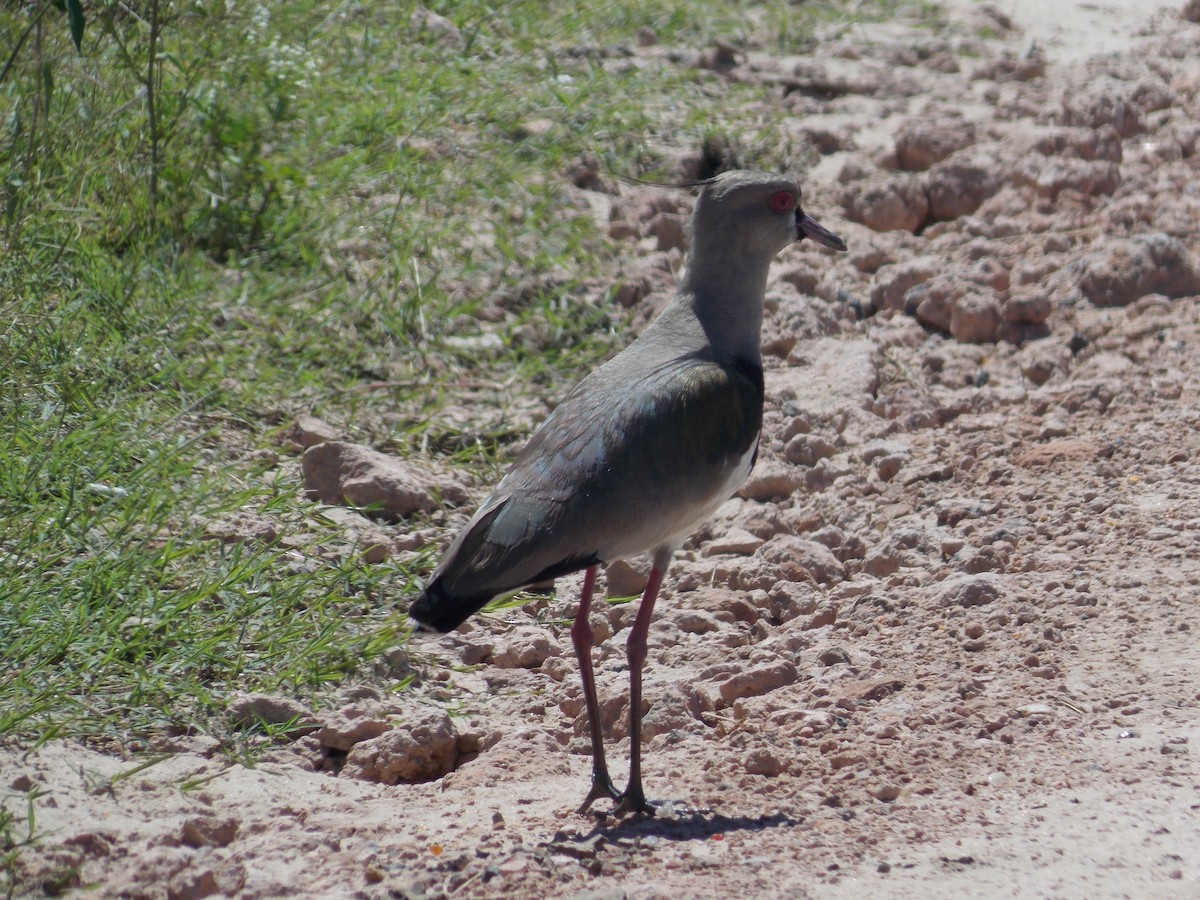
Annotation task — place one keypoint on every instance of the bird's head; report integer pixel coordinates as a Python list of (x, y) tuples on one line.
[(760, 210)]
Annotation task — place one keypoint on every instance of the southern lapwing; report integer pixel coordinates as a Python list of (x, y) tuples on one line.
[(643, 450)]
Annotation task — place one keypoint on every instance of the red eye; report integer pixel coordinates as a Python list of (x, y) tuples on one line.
[(783, 202)]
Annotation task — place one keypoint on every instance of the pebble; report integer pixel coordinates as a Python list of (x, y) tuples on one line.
[(886, 792), (209, 831), (759, 680), (971, 590), (736, 541)]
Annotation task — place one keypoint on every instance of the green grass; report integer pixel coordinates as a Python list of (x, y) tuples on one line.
[(335, 195)]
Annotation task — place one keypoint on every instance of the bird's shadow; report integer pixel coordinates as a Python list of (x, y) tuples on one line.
[(694, 825)]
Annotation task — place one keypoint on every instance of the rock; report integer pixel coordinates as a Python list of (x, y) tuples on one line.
[(1191, 11), (825, 614), (992, 558), (747, 574), (721, 57), (737, 541), (958, 186), (789, 599), (807, 449), (794, 557), (240, 526), (826, 140), (975, 318), (815, 720), (1103, 143), (1055, 425), (1031, 710), (1126, 269), (765, 761), (423, 748), (904, 546), (254, 709), (971, 590), (1106, 366), (888, 467), (627, 577), (667, 230), (990, 265), (883, 448), (1012, 67), (844, 546), (341, 473), (526, 647), (681, 709), (800, 318), (471, 648), (724, 605), (308, 431), (833, 656), (922, 142), (759, 680), (696, 621), (1073, 450), (626, 294), (886, 792), (1103, 104), (892, 282), (399, 664), (872, 690), (803, 277), (375, 543), (1093, 178), (1042, 360), (533, 128), (953, 510), (887, 203), (584, 172), (771, 480), (195, 883), (1027, 304), (437, 26), (932, 301), (348, 726), (870, 258), (209, 831)]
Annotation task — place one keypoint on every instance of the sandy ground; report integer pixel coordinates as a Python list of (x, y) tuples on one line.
[(1074, 30), (944, 642)]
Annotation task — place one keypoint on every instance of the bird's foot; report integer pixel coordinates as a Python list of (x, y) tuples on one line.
[(636, 806), (602, 786)]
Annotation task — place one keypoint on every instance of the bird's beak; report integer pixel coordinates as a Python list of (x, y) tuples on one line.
[(808, 227)]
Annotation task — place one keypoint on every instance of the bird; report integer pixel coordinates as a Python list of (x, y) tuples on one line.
[(642, 451)]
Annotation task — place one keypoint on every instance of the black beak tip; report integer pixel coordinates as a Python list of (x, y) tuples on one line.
[(808, 227)]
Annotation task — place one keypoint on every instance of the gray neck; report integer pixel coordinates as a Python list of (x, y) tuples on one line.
[(726, 295)]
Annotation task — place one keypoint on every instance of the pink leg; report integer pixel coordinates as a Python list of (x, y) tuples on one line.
[(634, 799), (583, 637)]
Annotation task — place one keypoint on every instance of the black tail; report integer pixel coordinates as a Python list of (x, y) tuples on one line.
[(440, 610)]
